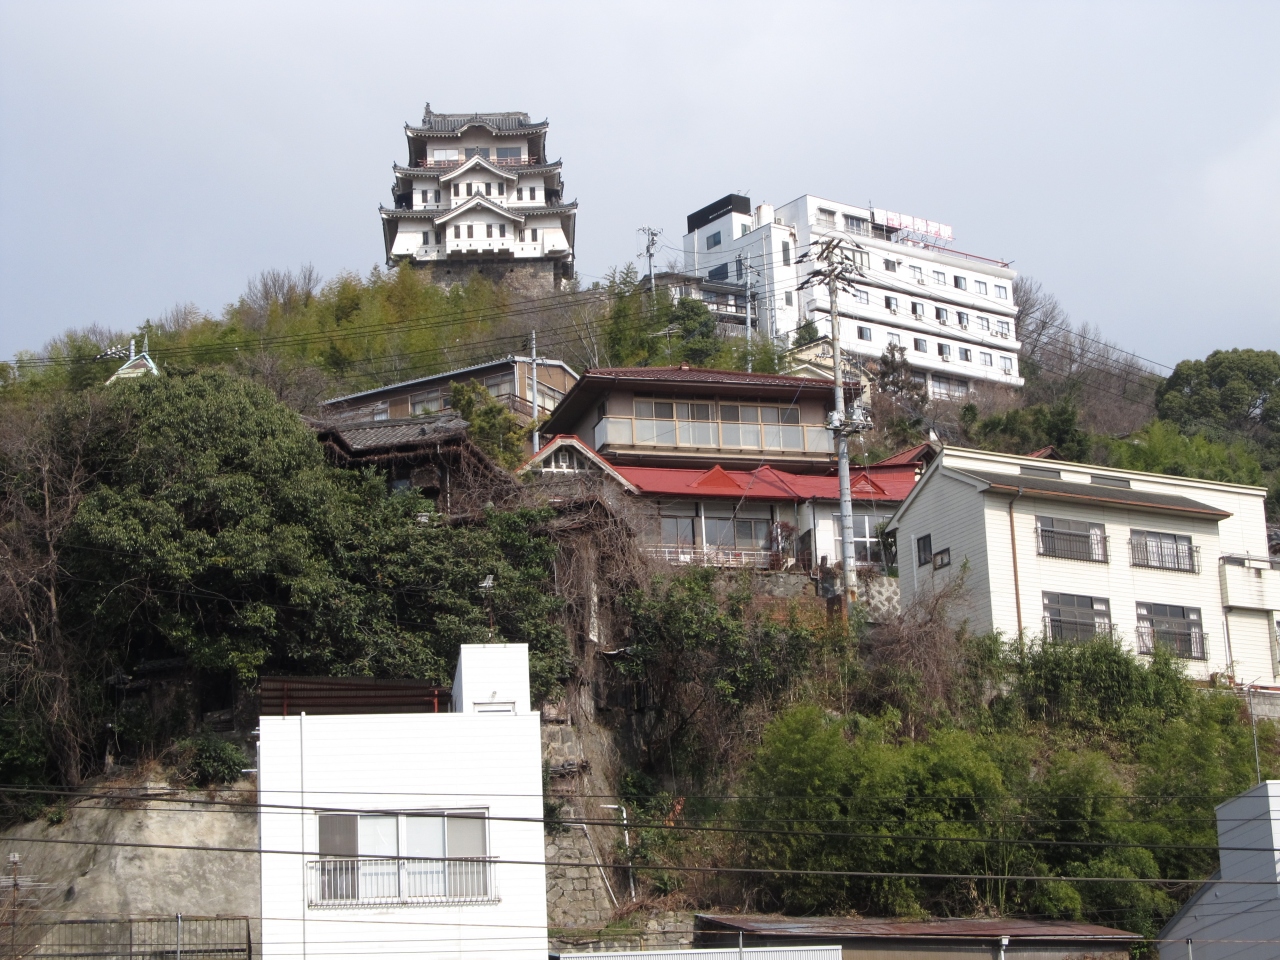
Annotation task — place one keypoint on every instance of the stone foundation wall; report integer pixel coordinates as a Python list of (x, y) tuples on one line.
[(666, 930), (525, 279)]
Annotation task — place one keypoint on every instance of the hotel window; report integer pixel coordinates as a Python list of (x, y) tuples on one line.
[(457, 232), (891, 303), (533, 193), (786, 255), (940, 314), (917, 274), (944, 351), (948, 388), (533, 234), (939, 278), (962, 318), (737, 265), (960, 282), (789, 298), (1069, 616), (488, 230), (980, 286), (966, 354), (895, 339), (855, 225), (826, 218), (864, 333), (986, 358), (744, 231), (1006, 364), (984, 324), (1178, 629), (1002, 293), (470, 231), (921, 345), (502, 229), (509, 153), (519, 193), (713, 240), (891, 266), (1002, 328), (917, 308), (861, 296)]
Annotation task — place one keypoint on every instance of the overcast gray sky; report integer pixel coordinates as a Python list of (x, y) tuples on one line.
[(1127, 155)]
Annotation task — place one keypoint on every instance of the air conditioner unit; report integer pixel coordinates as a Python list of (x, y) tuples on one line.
[(920, 280), (894, 311)]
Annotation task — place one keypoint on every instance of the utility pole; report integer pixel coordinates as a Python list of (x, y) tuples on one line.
[(651, 242), (533, 350), (839, 270), (747, 267)]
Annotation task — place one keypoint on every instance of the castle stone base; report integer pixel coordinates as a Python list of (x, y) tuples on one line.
[(526, 279)]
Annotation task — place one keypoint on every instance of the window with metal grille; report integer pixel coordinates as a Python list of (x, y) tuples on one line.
[(1069, 616), (1163, 551), (1175, 628), (1071, 539)]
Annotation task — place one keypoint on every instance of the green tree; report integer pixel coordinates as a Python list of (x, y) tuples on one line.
[(1235, 389), (491, 424), (806, 334)]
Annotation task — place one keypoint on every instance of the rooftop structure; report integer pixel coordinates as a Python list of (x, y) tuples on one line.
[(479, 194), (952, 312)]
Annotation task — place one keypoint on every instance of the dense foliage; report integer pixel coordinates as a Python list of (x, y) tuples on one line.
[(209, 527)]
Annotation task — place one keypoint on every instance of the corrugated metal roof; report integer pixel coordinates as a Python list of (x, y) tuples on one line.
[(916, 454), (701, 375), (815, 952), (949, 928), (767, 483), (509, 358), (289, 696), (1094, 493)]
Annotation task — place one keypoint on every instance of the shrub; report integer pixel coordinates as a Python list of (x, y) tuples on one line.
[(209, 760)]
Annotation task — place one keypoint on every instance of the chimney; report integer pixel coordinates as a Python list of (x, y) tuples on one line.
[(1249, 824), (684, 364)]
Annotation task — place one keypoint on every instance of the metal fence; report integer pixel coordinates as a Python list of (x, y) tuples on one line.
[(374, 881), (157, 938), (1090, 547)]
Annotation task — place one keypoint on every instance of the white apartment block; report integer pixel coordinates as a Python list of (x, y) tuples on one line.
[(952, 312), (1070, 551), (391, 830), (480, 192)]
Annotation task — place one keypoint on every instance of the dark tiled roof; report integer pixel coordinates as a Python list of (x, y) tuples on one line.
[(1094, 493), (551, 167), (453, 123), (699, 375), (849, 927), (382, 434)]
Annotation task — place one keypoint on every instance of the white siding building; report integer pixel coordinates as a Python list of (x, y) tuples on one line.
[(952, 312), (1070, 550), (1236, 915), (401, 834), (479, 193)]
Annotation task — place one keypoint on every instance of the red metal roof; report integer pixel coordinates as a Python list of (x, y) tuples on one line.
[(950, 928), (880, 484), (915, 454)]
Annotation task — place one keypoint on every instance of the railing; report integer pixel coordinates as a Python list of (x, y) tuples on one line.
[(1162, 555), (1056, 628), (166, 938), (1065, 545), (715, 556), (367, 881), (792, 438), (504, 162), (1186, 640)]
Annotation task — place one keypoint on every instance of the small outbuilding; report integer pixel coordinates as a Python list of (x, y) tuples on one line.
[(945, 939)]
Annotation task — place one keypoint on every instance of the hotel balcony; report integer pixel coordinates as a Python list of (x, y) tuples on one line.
[(380, 882)]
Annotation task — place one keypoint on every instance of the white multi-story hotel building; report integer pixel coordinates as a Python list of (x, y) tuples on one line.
[(952, 312), (479, 195), (1070, 551)]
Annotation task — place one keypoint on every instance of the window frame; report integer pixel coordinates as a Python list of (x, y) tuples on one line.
[(924, 550)]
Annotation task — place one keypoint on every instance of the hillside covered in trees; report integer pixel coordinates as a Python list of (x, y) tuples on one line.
[(904, 769)]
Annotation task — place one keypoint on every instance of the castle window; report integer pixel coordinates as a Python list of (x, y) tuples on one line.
[(502, 229), (533, 234), (502, 189), (488, 230), (488, 189), (470, 231), (533, 193), (457, 232), (519, 193), (468, 188), (456, 188)]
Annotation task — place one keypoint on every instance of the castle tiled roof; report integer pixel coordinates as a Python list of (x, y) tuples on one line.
[(452, 124), (552, 166), (441, 213)]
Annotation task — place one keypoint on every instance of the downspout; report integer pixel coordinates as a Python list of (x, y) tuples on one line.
[(1013, 543)]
